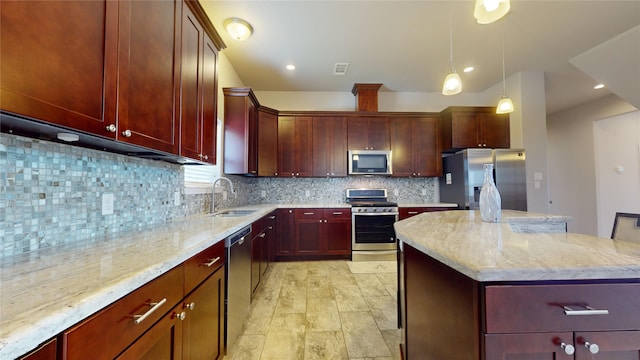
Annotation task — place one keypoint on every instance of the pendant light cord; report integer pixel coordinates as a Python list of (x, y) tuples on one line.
[(451, 41), (504, 81)]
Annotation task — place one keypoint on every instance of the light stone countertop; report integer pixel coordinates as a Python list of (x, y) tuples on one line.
[(448, 205), (45, 292), (512, 251)]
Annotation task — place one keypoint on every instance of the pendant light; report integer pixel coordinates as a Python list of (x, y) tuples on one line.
[(452, 84), (505, 105), (488, 11)]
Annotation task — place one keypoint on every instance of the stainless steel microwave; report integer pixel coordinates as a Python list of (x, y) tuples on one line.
[(370, 162)]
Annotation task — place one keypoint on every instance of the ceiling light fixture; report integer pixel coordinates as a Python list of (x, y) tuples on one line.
[(488, 11), (505, 105), (599, 86), (291, 67), (452, 84), (238, 29), (468, 69)]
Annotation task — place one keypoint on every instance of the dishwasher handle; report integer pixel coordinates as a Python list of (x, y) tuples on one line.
[(238, 237)]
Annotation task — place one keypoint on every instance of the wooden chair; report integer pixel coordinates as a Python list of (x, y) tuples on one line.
[(626, 227)]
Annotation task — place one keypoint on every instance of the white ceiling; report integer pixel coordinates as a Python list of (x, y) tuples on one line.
[(405, 44)]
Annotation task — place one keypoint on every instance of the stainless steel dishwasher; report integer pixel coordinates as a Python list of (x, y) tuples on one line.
[(238, 284)]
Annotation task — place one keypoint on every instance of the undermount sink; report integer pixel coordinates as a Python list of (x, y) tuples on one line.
[(234, 213)]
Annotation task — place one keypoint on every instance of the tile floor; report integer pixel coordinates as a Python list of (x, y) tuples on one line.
[(323, 310)]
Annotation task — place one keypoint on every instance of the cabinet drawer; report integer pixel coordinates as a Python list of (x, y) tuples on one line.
[(337, 213), (200, 266), (534, 308), (108, 332), (308, 213)]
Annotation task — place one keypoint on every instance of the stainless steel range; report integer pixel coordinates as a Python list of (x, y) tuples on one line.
[(372, 219)]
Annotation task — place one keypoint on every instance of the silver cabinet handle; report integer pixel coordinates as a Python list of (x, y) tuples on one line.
[(587, 311), (111, 128), (211, 262), (412, 212), (272, 217), (593, 348), (270, 227), (337, 213), (309, 213), (154, 306), (126, 133), (262, 235), (181, 315), (190, 305)]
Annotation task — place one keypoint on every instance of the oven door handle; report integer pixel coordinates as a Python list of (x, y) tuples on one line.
[(375, 214)]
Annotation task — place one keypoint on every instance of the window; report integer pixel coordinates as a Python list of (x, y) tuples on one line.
[(199, 178)]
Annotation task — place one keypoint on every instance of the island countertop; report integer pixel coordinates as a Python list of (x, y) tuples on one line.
[(517, 248)]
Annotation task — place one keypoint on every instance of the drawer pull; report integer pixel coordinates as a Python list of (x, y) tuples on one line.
[(309, 213), (272, 217), (587, 311), (412, 212), (337, 213), (211, 262), (262, 235), (154, 306), (190, 306)]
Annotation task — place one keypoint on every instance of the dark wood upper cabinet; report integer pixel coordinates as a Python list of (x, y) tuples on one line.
[(240, 131), (368, 133), (198, 92), (473, 127), (414, 146), (267, 142), (329, 146), (295, 146), (149, 73), (59, 62)]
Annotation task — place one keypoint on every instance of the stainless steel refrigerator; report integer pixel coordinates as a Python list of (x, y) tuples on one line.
[(464, 174)]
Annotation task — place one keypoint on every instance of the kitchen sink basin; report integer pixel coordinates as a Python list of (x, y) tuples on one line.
[(233, 213)]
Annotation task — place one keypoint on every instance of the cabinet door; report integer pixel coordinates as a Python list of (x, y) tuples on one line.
[(149, 73), (329, 146), (295, 146), (209, 101), (465, 130), (267, 144), (379, 134), (59, 62), (427, 158), (191, 79), (336, 232), (358, 133), (401, 132), (256, 256), (308, 223), (203, 334), (240, 131), (495, 130), (163, 341), (47, 351), (613, 345), (285, 233), (530, 346)]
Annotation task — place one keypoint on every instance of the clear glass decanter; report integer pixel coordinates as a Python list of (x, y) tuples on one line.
[(490, 202)]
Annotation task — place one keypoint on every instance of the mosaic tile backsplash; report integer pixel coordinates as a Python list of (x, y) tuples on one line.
[(51, 194)]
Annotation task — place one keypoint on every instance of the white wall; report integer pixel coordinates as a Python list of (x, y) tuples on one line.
[(571, 161), (617, 165)]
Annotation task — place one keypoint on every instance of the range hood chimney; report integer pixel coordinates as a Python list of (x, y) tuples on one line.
[(366, 96)]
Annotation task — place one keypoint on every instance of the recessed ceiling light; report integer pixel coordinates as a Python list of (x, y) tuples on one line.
[(599, 86), (291, 67), (468, 69)]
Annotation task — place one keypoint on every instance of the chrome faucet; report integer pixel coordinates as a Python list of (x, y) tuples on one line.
[(213, 191)]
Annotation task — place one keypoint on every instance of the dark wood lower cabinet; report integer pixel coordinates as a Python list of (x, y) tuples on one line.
[(447, 315)]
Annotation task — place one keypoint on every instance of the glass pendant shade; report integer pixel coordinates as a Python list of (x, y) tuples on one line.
[(238, 29), (505, 105), (488, 11), (452, 84)]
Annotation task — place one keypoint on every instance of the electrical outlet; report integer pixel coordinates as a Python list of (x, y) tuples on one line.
[(225, 195), (307, 193), (396, 192), (176, 198), (107, 204), (424, 192), (263, 193)]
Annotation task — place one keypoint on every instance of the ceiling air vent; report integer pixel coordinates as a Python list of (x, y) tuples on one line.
[(340, 68)]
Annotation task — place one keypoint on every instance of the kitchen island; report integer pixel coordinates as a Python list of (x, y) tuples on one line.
[(519, 289)]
